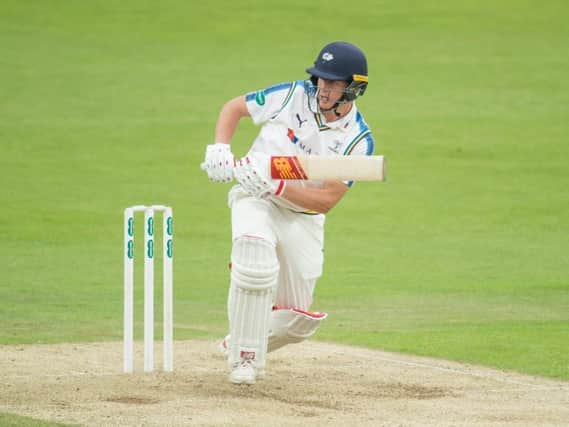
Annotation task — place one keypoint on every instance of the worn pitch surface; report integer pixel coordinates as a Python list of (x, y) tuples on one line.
[(315, 383)]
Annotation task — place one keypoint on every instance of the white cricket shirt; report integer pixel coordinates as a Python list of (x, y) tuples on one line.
[(290, 128)]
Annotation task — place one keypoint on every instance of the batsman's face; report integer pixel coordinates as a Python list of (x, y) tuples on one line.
[(330, 92)]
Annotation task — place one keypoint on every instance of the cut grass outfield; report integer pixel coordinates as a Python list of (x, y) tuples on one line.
[(462, 254), (9, 420)]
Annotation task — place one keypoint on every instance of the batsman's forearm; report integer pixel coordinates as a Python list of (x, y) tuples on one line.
[(228, 119), (320, 200)]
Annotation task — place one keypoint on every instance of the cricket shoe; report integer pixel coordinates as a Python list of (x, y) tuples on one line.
[(223, 348), (243, 372)]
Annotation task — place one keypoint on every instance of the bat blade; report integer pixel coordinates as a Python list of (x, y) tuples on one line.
[(345, 168)]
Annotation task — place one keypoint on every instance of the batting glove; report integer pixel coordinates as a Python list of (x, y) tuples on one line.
[(219, 162), (252, 172)]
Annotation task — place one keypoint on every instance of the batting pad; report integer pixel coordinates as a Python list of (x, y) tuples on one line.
[(290, 326), (254, 272)]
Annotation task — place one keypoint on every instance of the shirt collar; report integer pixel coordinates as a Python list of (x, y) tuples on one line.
[(343, 123)]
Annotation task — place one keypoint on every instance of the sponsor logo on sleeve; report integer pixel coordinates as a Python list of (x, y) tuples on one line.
[(260, 97)]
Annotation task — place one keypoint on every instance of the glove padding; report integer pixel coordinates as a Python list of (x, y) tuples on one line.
[(253, 173), (219, 162)]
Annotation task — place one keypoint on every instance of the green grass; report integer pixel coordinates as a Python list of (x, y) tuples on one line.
[(9, 420), (462, 254)]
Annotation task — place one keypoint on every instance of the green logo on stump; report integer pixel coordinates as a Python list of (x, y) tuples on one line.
[(169, 229), (150, 226), (150, 248)]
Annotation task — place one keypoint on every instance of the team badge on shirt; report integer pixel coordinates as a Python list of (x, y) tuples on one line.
[(335, 147)]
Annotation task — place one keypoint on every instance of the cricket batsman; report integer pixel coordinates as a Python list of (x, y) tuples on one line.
[(278, 225)]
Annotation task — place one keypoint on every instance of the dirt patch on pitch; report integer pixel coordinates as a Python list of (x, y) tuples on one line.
[(307, 384)]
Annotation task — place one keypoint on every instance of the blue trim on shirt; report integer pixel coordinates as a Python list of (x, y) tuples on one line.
[(289, 95), (275, 88), (364, 130), (370, 145), (361, 122)]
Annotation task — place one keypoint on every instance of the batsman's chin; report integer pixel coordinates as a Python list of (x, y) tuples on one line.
[(325, 105)]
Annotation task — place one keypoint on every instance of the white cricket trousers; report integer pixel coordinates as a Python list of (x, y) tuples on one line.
[(297, 237)]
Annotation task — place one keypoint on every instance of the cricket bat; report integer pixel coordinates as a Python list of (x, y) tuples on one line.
[(345, 168)]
